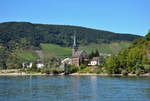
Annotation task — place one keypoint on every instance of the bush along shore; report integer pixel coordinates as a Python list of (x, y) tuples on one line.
[(83, 70)]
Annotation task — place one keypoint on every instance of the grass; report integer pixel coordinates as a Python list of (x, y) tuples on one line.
[(55, 50), (106, 48)]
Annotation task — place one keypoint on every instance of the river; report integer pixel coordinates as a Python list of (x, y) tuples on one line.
[(74, 88)]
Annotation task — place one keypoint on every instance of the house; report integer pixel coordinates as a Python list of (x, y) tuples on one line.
[(39, 64), (27, 64), (78, 56), (62, 66), (94, 61), (98, 60), (66, 60)]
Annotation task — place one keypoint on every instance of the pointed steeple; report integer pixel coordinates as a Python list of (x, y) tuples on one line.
[(75, 48), (74, 42)]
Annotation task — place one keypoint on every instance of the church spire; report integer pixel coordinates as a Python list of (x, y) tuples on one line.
[(75, 48), (74, 42)]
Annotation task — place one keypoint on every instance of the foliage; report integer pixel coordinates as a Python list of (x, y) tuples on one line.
[(146, 68), (85, 70), (82, 66), (112, 65), (51, 62), (3, 57), (139, 71), (124, 72), (148, 36), (14, 62), (94, 54), (132, 60), (91, 69), (54, 70), (98, 70), (30, 70), (70, 69)]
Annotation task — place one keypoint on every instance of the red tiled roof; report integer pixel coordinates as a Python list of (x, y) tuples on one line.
[(94, 58)]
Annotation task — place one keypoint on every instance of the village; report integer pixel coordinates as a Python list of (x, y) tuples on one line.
[(78, 57)]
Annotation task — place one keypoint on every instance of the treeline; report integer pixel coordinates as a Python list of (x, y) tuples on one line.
[(61, 35), (135, 59), (8, 53)]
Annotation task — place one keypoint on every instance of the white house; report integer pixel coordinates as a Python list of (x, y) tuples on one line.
[(63, 62), (27, 64), (66, 60), (94, 61), (39, 64)]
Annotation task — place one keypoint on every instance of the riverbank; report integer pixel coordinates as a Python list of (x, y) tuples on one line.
[(73, 74), (15, 72), (104, 74)]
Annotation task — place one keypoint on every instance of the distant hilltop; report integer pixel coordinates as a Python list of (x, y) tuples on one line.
[(58, 34)]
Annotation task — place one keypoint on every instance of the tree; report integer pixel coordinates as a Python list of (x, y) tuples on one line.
[(122, 56), (112, 65), (14, 61), (96, 53), (148, 36), (3, 57)]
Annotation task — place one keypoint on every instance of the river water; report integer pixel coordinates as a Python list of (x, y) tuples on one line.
[(74, 88)]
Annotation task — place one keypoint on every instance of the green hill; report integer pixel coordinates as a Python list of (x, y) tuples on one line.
[(61, 35)]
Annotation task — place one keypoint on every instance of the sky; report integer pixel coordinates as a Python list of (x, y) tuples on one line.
[(120, 16)]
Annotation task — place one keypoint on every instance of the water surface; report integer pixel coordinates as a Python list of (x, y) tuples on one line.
[(74, 88)]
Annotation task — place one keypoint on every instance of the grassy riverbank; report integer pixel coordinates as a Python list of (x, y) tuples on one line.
[(16, 72)]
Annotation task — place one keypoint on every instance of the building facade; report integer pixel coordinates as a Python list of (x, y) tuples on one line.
[(78, 56)]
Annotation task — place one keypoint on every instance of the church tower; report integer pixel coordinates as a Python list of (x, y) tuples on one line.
[(75, 48)]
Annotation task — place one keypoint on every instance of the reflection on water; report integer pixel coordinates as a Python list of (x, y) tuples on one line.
[(74, 88)]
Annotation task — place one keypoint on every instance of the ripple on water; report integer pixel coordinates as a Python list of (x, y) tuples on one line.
[(74, 88)]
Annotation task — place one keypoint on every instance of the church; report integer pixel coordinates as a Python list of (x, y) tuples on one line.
[(78, 57)]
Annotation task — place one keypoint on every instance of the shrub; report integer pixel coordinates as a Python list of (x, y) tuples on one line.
[(98, 70), (85, 70), (124, 72), (55, 70), (82, 66), (70, 69), (30, 70), (147, 68), (139, 71), (74, 69), (45, 70)]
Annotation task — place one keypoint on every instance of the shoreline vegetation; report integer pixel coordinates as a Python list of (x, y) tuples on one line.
[(15, 72)]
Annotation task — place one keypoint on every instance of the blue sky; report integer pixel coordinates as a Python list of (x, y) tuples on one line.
[(120, 16)]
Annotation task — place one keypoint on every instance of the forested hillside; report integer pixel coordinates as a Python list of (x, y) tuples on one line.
[(34, 34), (135, 59)]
